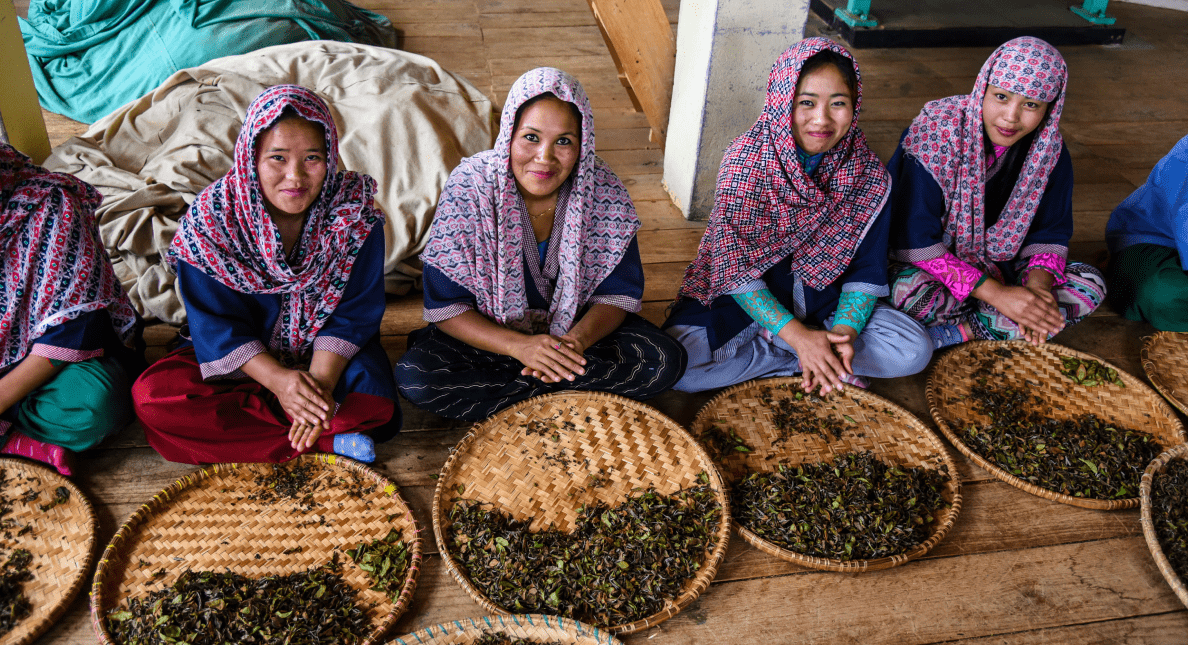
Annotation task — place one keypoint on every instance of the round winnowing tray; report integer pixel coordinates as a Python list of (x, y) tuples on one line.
[(878, 426), (1153, 471), (533, 628), (216, 520), (60, 538), (1165, 360), (1018, 362), (546, 476)]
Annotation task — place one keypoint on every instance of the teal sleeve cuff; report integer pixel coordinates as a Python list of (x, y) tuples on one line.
[(764, 309), (854, 309)]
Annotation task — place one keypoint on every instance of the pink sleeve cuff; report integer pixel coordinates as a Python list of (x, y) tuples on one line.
[(1051, 262), (64, 354), (343, 348), (959, 276)]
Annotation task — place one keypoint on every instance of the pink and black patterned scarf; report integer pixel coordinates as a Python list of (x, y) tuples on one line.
[(947, 138), (477, 235), (767, 208), (54, 265), (228, 234)]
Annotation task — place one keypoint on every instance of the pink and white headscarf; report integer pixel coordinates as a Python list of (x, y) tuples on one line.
[(54, 265), (947, 138), (767, 207), (228, 234), (477, 235)]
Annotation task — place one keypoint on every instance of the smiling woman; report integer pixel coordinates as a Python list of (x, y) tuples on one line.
[(516, 314), (280, 265)]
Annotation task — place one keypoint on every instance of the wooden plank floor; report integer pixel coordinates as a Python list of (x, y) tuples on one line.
[(1016, 569)]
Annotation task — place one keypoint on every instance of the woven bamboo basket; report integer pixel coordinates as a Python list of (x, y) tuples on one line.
[(534, 628), (208, 521), (61, 540), (881, 427), (1134, 406), (626, 444), (1161, 561), (1165, 360)]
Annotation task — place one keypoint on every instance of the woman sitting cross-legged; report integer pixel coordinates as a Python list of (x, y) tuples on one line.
[(982, 207), (66, 325), (790, 267), (280, 267), (532, 270)]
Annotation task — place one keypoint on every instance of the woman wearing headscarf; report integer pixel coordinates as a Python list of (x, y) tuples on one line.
[(66, 325), (1148, 239), (794, 257), (280, 267), (532, 270), (982, 207)]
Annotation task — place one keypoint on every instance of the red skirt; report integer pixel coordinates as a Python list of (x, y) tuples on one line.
[(192, 421)]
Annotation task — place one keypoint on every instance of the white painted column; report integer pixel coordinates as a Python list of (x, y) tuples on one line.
[(21, 123), (725, 50)]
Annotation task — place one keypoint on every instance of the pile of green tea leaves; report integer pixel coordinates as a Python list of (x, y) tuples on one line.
[(617, 566), (1088, 372), (1169, 513), (794, 414), (14, 604), (386, 560), (210, 608), (1082, 457), (721, 441), (854, 508), (499, 638)]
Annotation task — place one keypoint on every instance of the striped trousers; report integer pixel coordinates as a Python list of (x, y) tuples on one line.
[(444, 375)]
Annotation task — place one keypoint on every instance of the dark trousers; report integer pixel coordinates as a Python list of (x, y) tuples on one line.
[(444, 375)]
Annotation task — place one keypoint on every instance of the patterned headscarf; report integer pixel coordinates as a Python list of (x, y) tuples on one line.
[(477, 235), (947, 139), (768, 208), (54, 265), (228, 234)]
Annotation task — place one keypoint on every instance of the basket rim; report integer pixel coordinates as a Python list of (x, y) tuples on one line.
[(1153, 375), (693, 588), (88, 560), (834, 564), (141, 516), (484, 625), (932, 394), (1148, 522)]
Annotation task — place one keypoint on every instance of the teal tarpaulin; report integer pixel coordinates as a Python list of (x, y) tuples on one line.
[(89, 57)]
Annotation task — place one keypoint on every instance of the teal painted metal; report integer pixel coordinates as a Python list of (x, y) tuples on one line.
[(1094, 11), (856, 14)]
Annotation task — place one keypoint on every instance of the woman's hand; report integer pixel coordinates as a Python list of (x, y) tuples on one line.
[(302, 397), (1033, 307), (820, 365), (303, 435), (550, 358)]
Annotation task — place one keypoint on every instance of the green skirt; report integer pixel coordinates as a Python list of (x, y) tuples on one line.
[(83, 404), (1147, 282)]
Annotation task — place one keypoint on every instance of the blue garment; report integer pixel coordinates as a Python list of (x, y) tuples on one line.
[(725, 320), (1157, 212), (227, 328), (918, 210)]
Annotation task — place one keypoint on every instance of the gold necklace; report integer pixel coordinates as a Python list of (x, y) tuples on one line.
[(540, 215)]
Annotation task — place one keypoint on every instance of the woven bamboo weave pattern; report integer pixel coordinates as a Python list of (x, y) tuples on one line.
[(893, 434), (61, 541), (545, 458), (208, 521), (1161, 561), (1038, 368), (530, 627), (1165, 360)]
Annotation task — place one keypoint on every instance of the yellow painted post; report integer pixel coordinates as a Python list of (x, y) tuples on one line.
[(21, 122)]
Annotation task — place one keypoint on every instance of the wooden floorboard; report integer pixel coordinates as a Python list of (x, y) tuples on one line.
[(1015, 568)]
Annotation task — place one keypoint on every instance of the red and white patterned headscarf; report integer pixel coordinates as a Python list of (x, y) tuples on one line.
[(767, 208), (229, 235), (477, 235), (947, 138), (54, 265)]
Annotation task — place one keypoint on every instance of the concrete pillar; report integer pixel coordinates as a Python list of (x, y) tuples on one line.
[(21, 123), (725, 50)]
